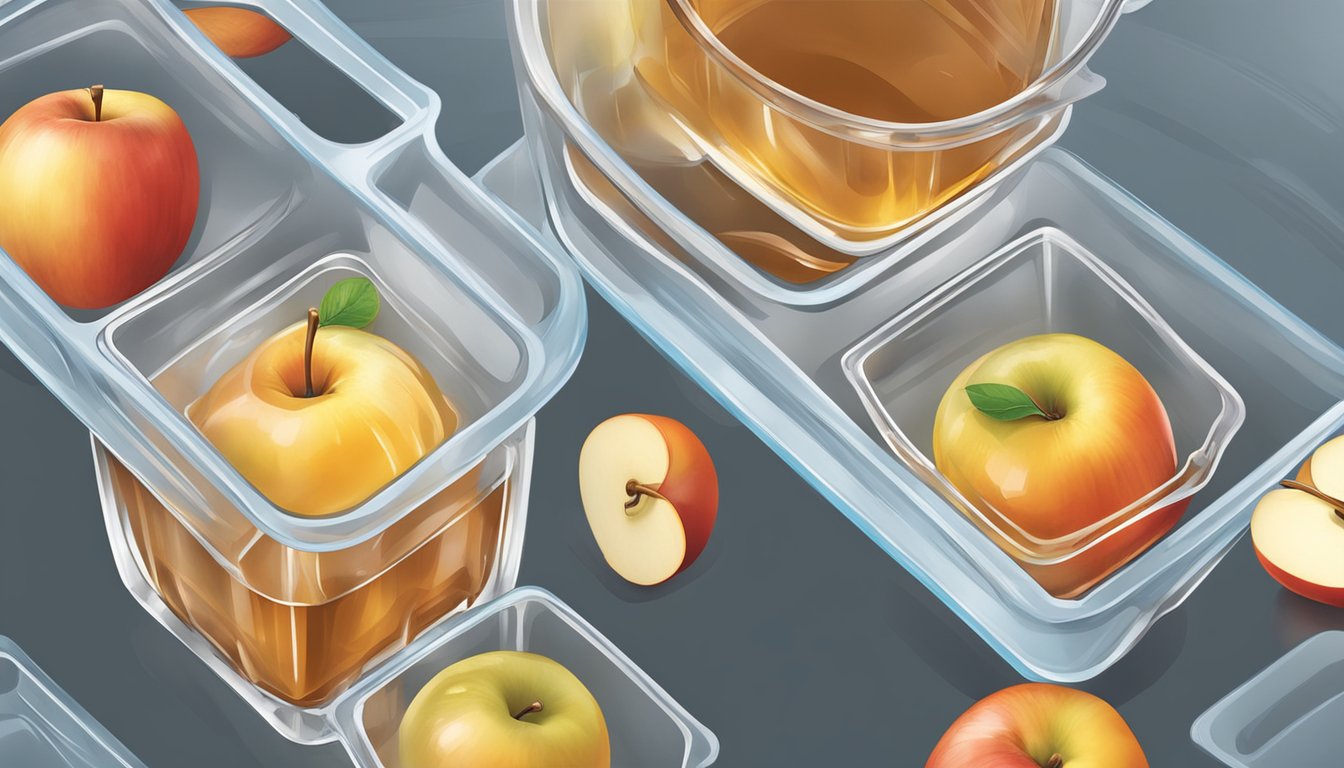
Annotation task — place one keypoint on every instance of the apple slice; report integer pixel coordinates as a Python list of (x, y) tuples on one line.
[(650, 493), (1298, 531)]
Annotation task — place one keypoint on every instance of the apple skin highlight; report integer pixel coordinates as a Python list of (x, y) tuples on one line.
[(96, 211)]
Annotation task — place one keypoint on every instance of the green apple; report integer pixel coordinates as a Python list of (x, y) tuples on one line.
[(505, 709)]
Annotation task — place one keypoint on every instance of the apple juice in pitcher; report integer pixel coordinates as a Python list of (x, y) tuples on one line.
[(796, 93)]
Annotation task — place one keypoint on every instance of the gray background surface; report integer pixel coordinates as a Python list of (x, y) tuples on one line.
[(793, 637)]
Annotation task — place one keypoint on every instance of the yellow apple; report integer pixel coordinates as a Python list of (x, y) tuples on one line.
[(1039, 726), (650, 493), (98, 193), (375, 412), (1101, 441), (1298, 532), (238, 32), (504, 709)]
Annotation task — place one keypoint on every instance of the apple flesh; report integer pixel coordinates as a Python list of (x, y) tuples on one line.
[(504, 709), (650, 493), (99, 190), (1035, 725), (1298, 536), (239, 32), (376, 412), (1107, 444)]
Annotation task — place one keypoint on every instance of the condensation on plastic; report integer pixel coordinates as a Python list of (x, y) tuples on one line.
[(648, 728), (280, 203), (1288, 715), (42, 727), (777, 366)]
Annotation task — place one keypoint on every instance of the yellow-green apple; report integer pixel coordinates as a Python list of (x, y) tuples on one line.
[(1298, 531), (504, 709), (650, 493), (319, 421), (98, 193), (238, 32), (1035, 725), (1053, 434)]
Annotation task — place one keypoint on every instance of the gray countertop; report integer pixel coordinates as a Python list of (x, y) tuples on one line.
[(794, 638)]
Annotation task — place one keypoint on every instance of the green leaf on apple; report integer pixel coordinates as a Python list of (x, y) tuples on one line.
[(353, 302), (1004, 402)]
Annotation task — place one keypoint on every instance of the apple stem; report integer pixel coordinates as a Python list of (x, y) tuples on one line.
[(308, 353), (1055, 761), (1047, 415), (637, 490), (96, 93), (1318, 493), (528, 710)]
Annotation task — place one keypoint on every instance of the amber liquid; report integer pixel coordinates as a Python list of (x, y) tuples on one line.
[(907, 61), (305, 625)]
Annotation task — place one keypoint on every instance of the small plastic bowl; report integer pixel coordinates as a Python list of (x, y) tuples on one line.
[(1044, 282), (647, 727)]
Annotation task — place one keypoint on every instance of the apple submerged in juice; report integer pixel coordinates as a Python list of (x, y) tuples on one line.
[(1050, 436)]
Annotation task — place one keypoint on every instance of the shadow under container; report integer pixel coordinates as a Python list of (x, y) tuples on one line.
[(1288, 715), (42, 727), (1045, 283), (856, 180), (647, 727)]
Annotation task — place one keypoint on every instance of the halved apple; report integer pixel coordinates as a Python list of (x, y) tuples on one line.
[(650, 493), (1298, 532)]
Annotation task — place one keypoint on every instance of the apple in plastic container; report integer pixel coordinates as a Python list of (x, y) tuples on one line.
[(504, 709), (1056, 433), (239, 32), (98, 193)]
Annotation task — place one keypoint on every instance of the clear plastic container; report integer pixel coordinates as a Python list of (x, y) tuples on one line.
[(42, 727), (776, 363), (1288, 715), (282, 206), (1045, 283), (848, 129), (290, 630), (647, 727)]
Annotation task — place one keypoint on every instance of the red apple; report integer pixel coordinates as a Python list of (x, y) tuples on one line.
[(238, 32), (651, 495), (98, 193), (1074, 434), (1039, 726), (1298, 533)]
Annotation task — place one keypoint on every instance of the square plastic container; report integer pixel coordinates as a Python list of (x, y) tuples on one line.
[(1043, 283), (291, 630), (1288, 715), (647, 727), (777, 365), (42, 727), (496, 315)]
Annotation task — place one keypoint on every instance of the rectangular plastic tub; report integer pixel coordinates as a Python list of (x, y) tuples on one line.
[(495, 315), (282, 209), (647, 727), (1288, 715), (42, 727), (1045, 283), (777, 364)]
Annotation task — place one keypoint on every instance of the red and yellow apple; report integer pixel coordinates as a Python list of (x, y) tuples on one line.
[(98, 193), (650, 493), (1035, 725), (1298, 531), (1092, 440), (504, 709), (375, 411), (239, 32)]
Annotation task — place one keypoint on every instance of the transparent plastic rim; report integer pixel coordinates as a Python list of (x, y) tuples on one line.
[(1196, 471), (1031, 101)]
